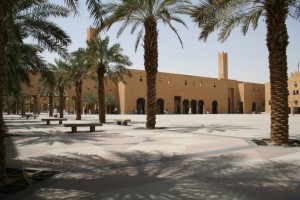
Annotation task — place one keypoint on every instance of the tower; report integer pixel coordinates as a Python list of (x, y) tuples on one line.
[(223, 65), (91, 33)]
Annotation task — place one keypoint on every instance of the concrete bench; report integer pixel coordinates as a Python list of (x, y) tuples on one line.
[(74, 126), (123, 121), (54, 119), (31, 115)]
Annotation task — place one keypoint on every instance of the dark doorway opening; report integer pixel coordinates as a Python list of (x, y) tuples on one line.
[(185, 104), (200, 106), (160, 106), (140, 106), (214, 107), (194, 106)]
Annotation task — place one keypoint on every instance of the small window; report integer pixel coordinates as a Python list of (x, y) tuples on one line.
[(185, 82), (295, 84), (297, 92), (294, 92), (215, 85), (141, 78), (296, 103)]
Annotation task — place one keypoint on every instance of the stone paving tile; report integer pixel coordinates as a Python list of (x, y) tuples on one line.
[(189, 157)]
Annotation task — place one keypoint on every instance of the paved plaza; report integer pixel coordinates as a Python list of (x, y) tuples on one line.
[(186, 157)]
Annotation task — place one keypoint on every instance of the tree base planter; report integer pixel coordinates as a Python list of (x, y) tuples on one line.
[(266, 142)]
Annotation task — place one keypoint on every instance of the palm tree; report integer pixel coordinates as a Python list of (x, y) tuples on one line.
[(20, 19), (78, 69), (111, 102), (90, 100), (47, 84), (60, 72), (147, 14), (228, 14), (106, 60)]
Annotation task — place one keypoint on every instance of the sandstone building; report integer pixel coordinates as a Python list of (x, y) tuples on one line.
[(294, 96), (175, 92)]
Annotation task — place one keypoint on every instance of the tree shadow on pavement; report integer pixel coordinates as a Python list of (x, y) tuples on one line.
[(141, 175)]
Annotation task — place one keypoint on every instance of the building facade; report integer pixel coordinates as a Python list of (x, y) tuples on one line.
[(176, 93), (294, 96)]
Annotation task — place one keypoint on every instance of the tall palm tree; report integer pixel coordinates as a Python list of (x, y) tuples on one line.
[(47, 87), (228, 14), (106, 60), (78, 70), (60, 72), (147, 14), (20, 19)]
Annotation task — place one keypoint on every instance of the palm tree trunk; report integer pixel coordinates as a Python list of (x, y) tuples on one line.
[(61, 101), (101, 94), (151, 65), (51, 106), (78, 88), (2, 78), (277, 42)]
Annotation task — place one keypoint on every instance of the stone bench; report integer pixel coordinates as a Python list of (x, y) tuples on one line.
[(31, 115), (74, 126), (54, 119), (123, 121)]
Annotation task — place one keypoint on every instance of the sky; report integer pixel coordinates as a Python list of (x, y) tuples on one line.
[(247, 55)]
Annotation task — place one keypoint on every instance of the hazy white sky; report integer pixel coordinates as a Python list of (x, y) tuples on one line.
[(247, 55)]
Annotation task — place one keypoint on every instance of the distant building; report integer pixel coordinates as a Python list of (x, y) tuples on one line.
[(175, 92), (294, 96)]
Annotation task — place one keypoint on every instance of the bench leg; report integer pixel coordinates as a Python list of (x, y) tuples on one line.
[(48, 122), (119, 122), (125, 123), (34, 117), (60, 121), (74, 129), (27, 117), (92, 128)]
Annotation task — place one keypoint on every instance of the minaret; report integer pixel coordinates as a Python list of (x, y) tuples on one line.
[(91, 33), (223, 65)]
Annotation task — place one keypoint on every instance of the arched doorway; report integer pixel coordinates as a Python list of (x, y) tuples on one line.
[(185, 104), (140, 106), (194, 106), (253, 107), (200, 106), (214, 107), (160, 106)]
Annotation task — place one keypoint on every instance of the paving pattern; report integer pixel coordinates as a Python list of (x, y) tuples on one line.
[(186, 157)]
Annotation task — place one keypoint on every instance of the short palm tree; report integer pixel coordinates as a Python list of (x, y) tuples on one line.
[(228, 14), (107, 61), (78, 70), (20, 19), (147, 14), (91, 100)]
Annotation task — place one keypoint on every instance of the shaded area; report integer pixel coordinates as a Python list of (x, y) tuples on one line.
[(140, 175), (18, 179)]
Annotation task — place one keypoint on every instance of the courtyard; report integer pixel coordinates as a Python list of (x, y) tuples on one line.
[(185, 157)]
